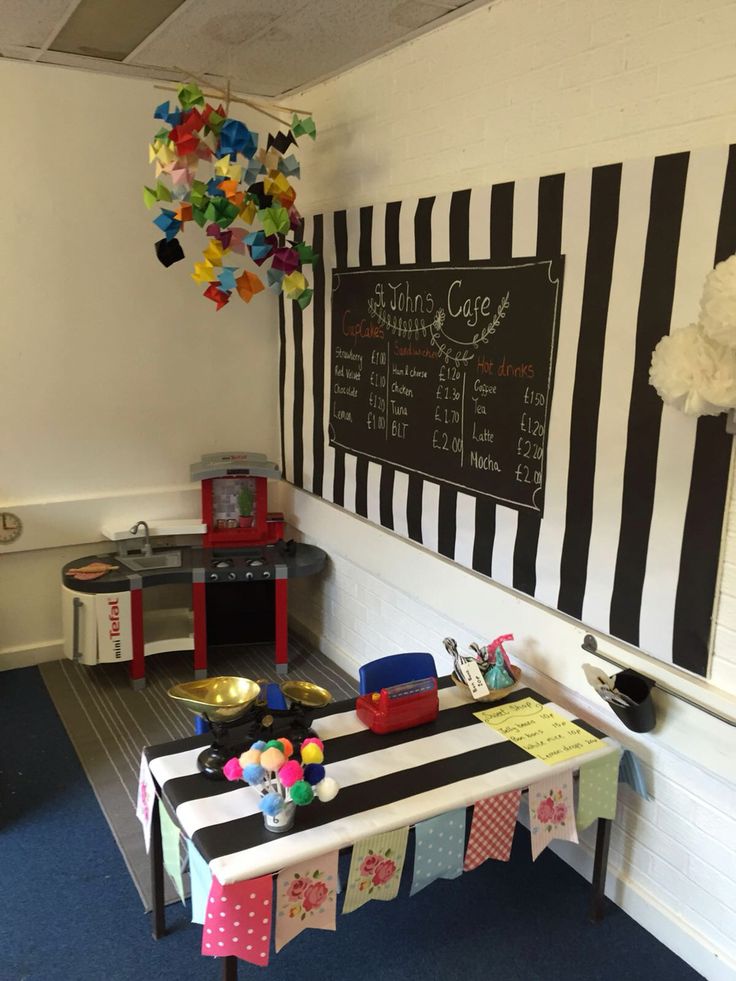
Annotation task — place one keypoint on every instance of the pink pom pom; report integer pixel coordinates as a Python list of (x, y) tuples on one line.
[(272, 759), (315, 740), (290, 773), (232, 770)]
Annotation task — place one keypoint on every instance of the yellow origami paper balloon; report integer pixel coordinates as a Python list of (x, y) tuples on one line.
[(214, 252), (248, 212), (294, 284), (204, 272)]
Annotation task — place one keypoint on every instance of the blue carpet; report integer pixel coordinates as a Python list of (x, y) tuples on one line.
[(70, 911)]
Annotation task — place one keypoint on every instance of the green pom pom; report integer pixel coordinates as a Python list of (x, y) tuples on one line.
[(301, 792), (275, 744)]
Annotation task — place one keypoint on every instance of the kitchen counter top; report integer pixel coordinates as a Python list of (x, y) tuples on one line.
[(204, 565)]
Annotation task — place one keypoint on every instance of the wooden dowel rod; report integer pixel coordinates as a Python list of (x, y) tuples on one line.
[(257, 107)]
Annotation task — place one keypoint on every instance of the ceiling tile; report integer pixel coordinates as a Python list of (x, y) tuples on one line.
[(110, 29), (30, 24)]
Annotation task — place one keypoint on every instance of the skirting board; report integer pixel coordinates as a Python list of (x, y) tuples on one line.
[(639, 903), (27, 657)]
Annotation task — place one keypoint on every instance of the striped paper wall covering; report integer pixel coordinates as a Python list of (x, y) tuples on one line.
[(635, 492)]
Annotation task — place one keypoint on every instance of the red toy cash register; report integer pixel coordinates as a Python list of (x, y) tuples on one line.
[(400, 706)]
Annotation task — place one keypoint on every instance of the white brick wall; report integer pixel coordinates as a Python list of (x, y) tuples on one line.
[(523, 88)]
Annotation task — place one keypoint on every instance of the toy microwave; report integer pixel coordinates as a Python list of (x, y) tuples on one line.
[(400, 706)]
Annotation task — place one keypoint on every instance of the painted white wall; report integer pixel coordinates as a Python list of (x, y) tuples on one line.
[(524, 88), (115, 372)]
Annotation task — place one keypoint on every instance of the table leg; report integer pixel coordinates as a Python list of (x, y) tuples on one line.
[(229, 968), (600, 865), (156, 857), (282, 625)]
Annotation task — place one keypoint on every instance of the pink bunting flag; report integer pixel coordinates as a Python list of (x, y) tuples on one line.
[(305, 897), (146, 799), (238, 920), (552, 811), (492, 830)]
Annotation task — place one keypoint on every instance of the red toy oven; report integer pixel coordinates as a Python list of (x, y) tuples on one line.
[(235, 499)]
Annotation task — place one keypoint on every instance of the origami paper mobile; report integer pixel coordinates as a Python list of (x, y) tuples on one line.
[(306, 253), (275, 183), (269, 158), (290, 166), (248, 211), (168, 223), (245, 186), (214, 253), (274, 220), (226, 278), (235, 137), (294, 284), (248, 285), (281, 141), (219, 296), (254, 169), (190, 95), (204, 272), (303, 127), (286, 259), (258, 246), (169, 251), (305, 298)]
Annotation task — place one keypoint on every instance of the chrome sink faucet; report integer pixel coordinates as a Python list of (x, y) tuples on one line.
[(146, 548)]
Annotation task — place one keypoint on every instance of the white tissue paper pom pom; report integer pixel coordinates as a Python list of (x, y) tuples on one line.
[(326, 789), (718, 304), (693, 373)]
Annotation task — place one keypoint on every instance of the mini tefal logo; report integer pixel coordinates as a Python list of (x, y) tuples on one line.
[(113, 615)]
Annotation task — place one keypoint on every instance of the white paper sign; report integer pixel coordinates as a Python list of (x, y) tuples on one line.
[(473, 678)]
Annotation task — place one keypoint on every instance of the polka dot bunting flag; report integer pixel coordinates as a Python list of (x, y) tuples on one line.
[(238, 920)]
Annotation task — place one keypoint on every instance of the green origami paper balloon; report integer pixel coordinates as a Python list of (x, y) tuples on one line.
[(304, 298), (275, 220), (306, 253), (190, 95)]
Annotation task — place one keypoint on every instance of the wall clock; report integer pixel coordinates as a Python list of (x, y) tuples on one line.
[(10, 527)]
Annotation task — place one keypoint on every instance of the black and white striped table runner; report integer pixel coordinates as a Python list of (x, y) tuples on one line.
[(386, 782)]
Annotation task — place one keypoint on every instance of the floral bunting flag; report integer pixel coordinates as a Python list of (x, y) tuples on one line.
[(238, 920), (172, 855), (375, 868), (551, 811), (305, 897), (439, 847), (200, 879), (492, 830), (146, 798), (631, 772), (597, 790)]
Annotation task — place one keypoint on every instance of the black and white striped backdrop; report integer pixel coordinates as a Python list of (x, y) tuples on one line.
[(635, 492)]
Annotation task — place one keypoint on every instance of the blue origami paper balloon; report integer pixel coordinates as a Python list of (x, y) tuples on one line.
[(168, 223), (253, 171), (162, 111), (226, 277), (235, 138), (174, 118), (273, 279), (213, 187)]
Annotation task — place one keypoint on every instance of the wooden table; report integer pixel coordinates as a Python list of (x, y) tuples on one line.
[(387, 782)]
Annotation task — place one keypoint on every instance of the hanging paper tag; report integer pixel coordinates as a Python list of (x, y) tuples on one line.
[(473, 678)]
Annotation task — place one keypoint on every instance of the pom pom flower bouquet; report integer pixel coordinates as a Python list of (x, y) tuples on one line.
[(283, 781)]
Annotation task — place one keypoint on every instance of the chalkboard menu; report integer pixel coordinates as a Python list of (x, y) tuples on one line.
[(448, 371)]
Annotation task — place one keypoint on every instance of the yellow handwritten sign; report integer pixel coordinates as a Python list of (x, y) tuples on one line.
[(539, 730)]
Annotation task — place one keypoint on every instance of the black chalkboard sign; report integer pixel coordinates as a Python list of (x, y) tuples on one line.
[(448, 371)]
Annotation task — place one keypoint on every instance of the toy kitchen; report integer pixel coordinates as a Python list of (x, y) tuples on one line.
[(237, 572)]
